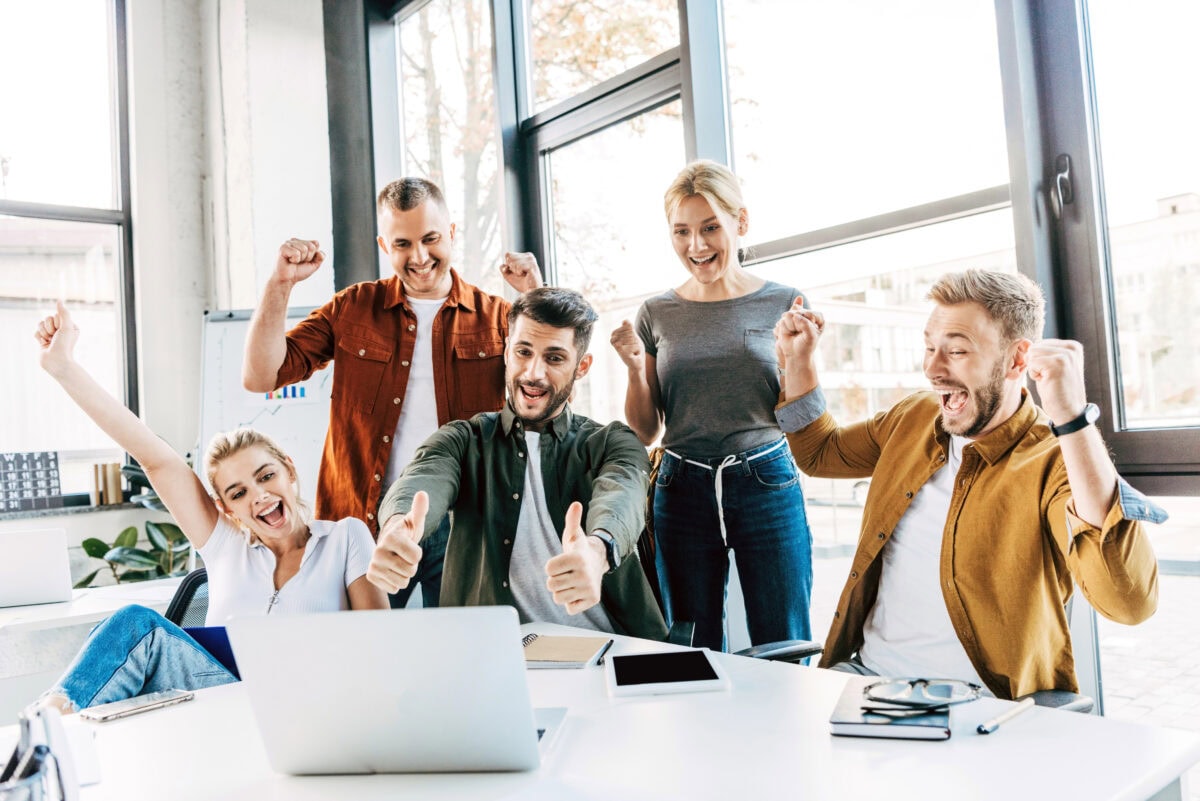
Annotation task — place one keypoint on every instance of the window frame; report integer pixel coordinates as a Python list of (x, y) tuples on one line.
[(120, 217), (1049, 108)]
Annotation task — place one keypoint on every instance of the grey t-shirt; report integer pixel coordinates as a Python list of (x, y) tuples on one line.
[(716, 367), (535, 542)]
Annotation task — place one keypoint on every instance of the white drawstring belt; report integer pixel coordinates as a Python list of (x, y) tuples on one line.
[(718, 488)]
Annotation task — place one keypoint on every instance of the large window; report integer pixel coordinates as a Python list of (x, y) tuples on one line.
[(64, 225), (448, 124)]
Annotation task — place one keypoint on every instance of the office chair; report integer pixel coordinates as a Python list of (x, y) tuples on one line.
[(189, 605)]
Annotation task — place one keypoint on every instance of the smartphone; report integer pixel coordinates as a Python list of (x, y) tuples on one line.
[(132, 706)]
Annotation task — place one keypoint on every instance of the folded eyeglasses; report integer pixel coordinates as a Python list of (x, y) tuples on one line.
[(919, 695)]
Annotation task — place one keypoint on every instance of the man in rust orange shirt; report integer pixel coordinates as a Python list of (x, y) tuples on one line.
[(413, 351)]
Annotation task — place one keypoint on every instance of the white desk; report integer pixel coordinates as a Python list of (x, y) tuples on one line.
[(89, 605), (767, 736)]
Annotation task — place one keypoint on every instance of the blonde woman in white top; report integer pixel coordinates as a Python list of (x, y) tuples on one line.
[(261, 552)]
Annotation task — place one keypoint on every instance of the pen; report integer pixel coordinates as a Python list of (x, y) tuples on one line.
[(603, 651), (990, 726)]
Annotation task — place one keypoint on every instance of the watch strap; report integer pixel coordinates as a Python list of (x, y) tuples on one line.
[(1089, 415)]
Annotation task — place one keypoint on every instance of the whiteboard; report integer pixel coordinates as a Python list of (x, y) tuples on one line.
[(296, 416)]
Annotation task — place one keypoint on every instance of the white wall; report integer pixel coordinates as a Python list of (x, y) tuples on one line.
[(230, 156)]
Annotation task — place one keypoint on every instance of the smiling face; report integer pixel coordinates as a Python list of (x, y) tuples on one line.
[(541, 366), (977, 375), (260, 491), (705, 239), (418, 243)]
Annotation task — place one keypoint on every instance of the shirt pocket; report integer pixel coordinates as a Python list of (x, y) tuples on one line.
[(479, 376), (358, 371), (760, 343)]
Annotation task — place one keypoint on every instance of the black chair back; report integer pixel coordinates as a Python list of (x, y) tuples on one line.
[(189, 606)]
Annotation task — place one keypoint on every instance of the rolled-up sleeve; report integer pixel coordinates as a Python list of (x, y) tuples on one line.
[(801, 412), (618, 501), (1114, 565)]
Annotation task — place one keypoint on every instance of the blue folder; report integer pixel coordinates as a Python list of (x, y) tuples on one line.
[(214, 640)]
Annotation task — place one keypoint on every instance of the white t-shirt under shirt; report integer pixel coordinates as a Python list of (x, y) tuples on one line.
[(418, 413), (908, 632), (535, 541), (241, 575)]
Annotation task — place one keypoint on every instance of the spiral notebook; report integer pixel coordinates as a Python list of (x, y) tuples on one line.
[(546, 651)]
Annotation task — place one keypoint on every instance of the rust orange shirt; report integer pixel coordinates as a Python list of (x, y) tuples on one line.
[(369, 331)]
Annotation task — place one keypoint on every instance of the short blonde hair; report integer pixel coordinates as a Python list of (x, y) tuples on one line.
[(712, 181), (1011, 299)]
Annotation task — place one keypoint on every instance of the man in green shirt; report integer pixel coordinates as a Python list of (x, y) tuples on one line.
[(548, 504)]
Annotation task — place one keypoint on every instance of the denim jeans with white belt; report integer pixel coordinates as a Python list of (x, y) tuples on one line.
[(750, 502)]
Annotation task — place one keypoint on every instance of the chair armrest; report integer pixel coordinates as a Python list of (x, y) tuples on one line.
[(783, 650), (1061, 699)]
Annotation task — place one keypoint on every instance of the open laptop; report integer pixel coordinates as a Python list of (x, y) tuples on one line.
[(34, 567), (392, 691)]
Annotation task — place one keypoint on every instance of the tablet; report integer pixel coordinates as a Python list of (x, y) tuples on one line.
[(667, 672)]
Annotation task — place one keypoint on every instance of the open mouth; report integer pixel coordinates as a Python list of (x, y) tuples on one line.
[(702, 262), (423, 270), (533, 394), (953, 400), (272, 516)]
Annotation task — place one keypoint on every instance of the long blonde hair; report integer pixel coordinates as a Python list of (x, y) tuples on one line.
[(228, 443)]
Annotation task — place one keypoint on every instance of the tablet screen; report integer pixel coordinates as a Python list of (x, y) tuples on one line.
[(666, 668)]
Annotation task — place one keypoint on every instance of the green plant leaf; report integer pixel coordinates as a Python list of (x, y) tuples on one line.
[(158, 539), (138, 575), (133, 558), (181, 547), (126, 539), (150, 501), (86, 580), (170, 531), (136, 476), (95, 548)]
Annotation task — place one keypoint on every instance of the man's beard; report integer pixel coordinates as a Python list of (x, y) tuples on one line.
[(553, 405), (986, 400)]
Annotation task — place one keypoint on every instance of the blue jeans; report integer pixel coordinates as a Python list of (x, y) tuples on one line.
[(764, 524), (134, 652), (429, 571)]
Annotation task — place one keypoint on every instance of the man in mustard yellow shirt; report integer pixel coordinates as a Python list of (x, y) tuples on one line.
[(984, 510)]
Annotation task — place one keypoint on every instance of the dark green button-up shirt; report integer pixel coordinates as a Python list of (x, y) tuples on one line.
[(476, 468)]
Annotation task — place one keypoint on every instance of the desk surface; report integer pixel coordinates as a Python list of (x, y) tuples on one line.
[(89, 605), (768, 734)]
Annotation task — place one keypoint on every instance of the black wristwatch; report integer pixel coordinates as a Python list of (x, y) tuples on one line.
[(610, 548), (1089, 415)]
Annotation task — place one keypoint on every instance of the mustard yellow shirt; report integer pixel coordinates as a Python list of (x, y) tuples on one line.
[(1011, 546)]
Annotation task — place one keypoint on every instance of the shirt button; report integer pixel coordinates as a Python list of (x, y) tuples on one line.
[(508, 542), (882, 535), (482, 354), (836, 615), (942, 458), (412, 327), (404, 364), (370, 516), (386, 438), (504, 584), (853, 574), (396, 401), (516, 496), (362, 352), (378, 477), (521, 454), (908, 495)]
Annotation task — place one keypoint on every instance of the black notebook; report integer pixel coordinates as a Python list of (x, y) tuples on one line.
[(851, 719)]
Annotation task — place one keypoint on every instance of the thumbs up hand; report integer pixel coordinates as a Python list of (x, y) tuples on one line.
[(574, 575), (397, 553)]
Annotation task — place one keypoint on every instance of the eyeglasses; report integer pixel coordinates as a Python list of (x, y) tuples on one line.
[(922, 694)]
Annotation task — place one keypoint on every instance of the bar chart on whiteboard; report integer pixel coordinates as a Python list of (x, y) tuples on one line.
[(296, 416)]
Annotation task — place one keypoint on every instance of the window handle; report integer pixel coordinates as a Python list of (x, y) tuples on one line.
[(1062, 193)]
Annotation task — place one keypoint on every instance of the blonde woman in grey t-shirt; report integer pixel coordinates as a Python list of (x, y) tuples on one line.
[(702, 366)]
